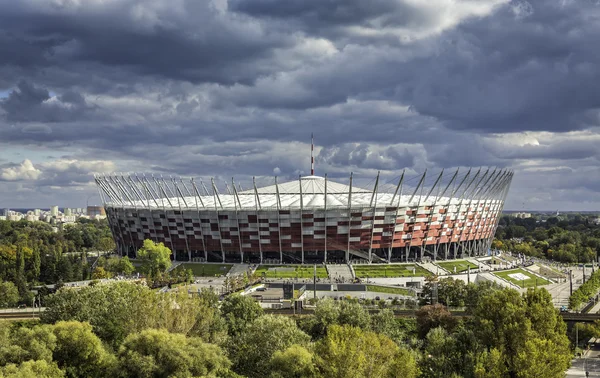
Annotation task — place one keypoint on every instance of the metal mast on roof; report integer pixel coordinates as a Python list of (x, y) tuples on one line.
[(312, 159)]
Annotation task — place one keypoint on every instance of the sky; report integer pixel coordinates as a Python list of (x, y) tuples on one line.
[(234, 88)]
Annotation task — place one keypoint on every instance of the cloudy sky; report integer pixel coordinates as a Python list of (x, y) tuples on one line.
[(235, 87)]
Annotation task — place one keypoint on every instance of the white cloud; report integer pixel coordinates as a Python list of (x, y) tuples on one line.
[(23, 171)]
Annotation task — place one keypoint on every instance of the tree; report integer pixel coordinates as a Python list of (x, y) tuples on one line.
[(158, 353), (385, 323), (432, 316), (251, 351), (294, 362), (9, 294), (100, 273), (79, 351), (24, 344), (32, 369), (105, 244), (155, 258), (239, 311), (348, 351), (526, 330), (439, 353), (117, 309)]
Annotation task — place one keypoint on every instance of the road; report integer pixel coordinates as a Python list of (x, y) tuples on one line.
[(590, 362)]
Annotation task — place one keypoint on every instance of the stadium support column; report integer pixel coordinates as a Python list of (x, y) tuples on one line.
[(236, 202), (301, 219), (480, 195), (215, 200), (443, 216), (258, 211), (126, 197), (446, 214), (502, 199), (199, 197), (163, 195), (483, 223), (472, 195), (498, 192), (430, 214), (187, 245), (325, 207), (466, 217), (279, 220), (349, 219), (373, 209), (399, 192), (415, 215)]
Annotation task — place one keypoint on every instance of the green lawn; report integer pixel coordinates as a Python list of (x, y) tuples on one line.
[(298, 272), (207, 270), (389, 290), (461, 265), (532, 281), (391, 270)]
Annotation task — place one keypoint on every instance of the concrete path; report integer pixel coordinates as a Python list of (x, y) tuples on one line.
[(482, 266), (237, 269), (435, 269), (491, 277), (337, 271)]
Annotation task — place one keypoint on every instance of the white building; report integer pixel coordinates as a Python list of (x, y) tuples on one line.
[(54, 211)]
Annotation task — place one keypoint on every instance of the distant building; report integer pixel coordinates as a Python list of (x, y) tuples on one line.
[(522, 215), (93, 211), (37, 212), (54, 211), (5, 212), (68, 211)]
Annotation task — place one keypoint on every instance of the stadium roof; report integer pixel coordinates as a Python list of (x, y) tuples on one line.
[(309, 193)]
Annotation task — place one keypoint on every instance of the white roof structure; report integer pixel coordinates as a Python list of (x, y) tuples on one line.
[(309, 192)]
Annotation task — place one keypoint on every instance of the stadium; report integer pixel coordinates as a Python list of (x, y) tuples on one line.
[(309, 220)]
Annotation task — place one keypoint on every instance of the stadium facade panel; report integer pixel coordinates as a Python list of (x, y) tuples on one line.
[(311, 220)]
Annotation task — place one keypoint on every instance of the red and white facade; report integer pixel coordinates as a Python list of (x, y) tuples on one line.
[(309, 220)]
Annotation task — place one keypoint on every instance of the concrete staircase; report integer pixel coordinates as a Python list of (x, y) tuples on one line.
[(500, 281), (337, 271), (482, 266), (433, 268), (238, 269)]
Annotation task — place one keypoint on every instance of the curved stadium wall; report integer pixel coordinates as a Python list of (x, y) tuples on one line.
[(310, 220)]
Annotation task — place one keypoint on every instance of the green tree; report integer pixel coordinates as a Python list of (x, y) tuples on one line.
[(32, 369), (239, 311), (24, 344), (9, 294), (158, 353), (251, 351), (100, 273), (79, 351), (518, 326), (117, 309), (349, 352), (294, 362), (155, 258)]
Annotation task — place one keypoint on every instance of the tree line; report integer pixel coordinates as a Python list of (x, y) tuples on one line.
[(32, 253), (573, 238), (125, 329)]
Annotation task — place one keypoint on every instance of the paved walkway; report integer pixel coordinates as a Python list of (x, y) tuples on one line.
[(337, 271), (491, 277), (237, 269), (435, 269)]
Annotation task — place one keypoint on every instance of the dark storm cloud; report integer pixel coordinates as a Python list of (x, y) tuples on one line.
[(190, 41), (234, 88), (28, 103)]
